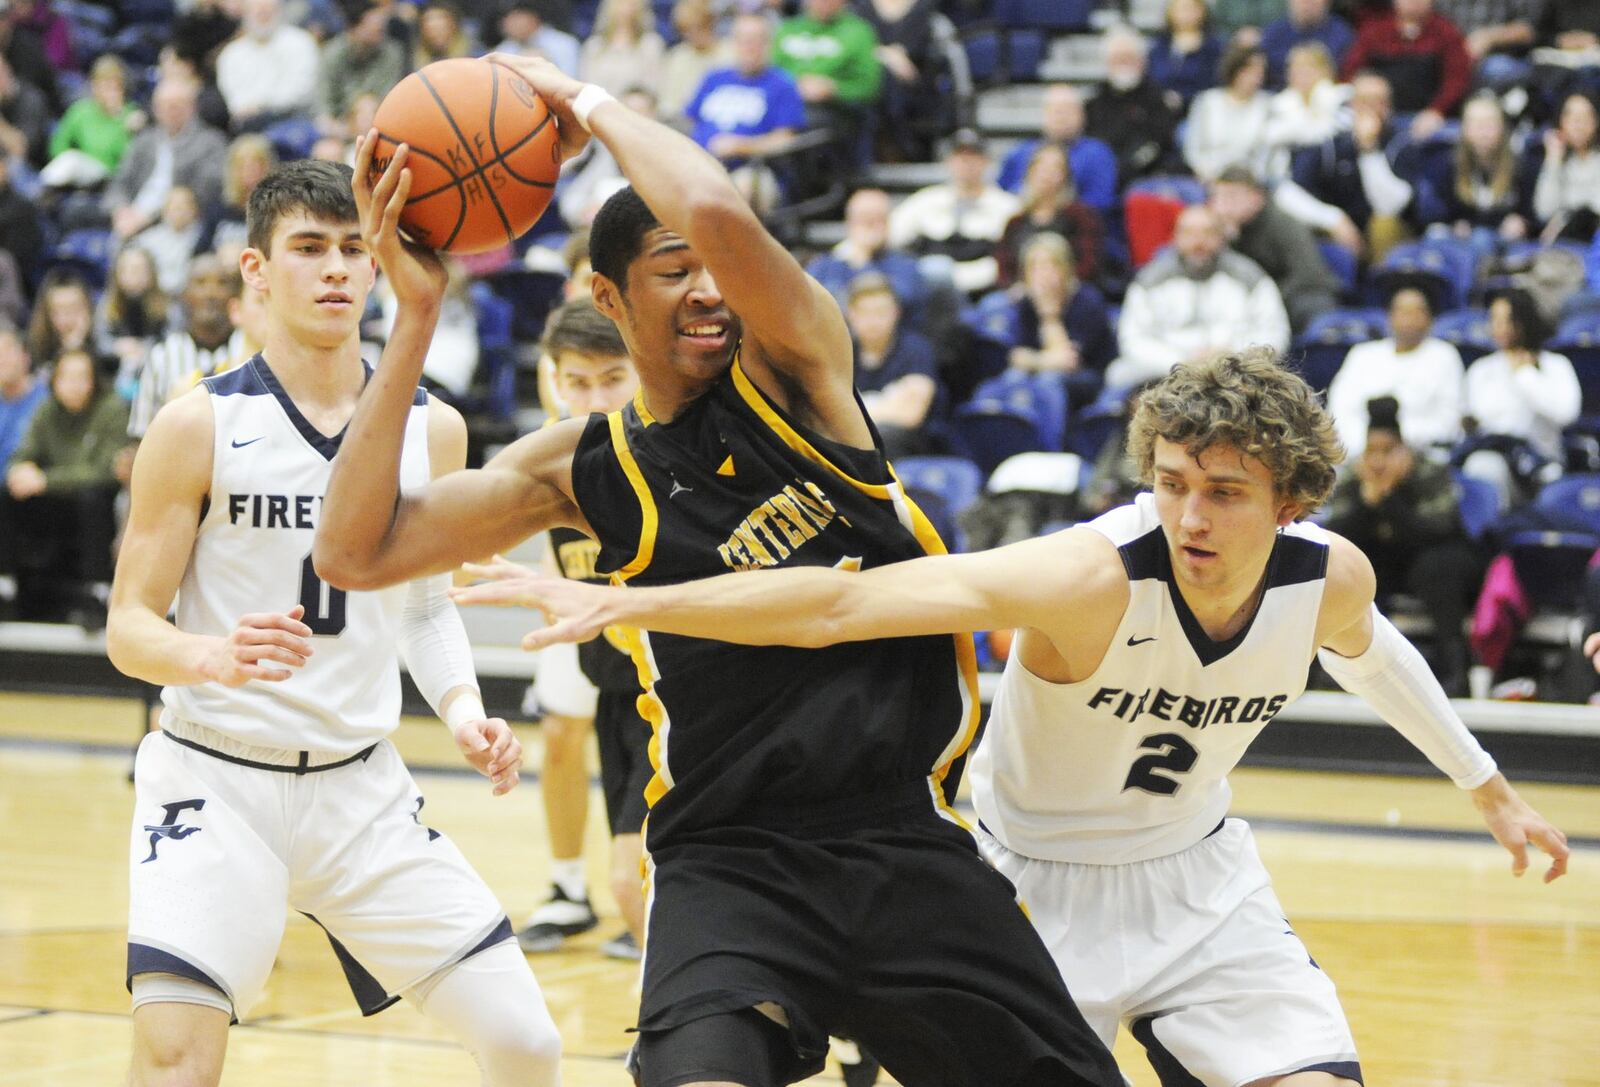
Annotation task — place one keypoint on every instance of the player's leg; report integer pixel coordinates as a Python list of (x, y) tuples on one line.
[(177, 1044), (1305, 1079), (742, 1048), (625, 771), (492, 1004), (569, 700), (627, 887)]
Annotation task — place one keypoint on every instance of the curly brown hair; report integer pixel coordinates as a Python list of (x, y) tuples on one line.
[(1245, 399)]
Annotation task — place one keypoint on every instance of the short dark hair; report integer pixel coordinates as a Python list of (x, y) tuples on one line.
[(1240, 174), (1235, 58), (617, 235), (321, 189), (578, 327), (1529, 330)]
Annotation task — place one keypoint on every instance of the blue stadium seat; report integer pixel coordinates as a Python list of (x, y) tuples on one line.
[(156, 12), (497, 349), (532, 296), (956, 480), (87, 252), (1024, 54), (1445, 268), (1342, 263), (1040, 397), (140, 44), (983, 54), (1573, 496), (989, 433), (1056, 16), (1468, 330), (1551, 563), (1578, 338), (1174, 186), (80, 13), (292, 137), (1325, 342), (1479, 504)]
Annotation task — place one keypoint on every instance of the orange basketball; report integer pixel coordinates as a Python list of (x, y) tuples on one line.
[(484, 153)]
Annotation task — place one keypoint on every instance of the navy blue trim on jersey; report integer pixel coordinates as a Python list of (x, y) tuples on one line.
[(499, 934), (1295, 561), (1168, 1070), (1342, 1069), (322, 443), (1146, 557), (371, 996), (144, 959), (240, 381)]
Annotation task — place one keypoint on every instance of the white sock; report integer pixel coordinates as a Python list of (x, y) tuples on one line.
[(568, 875)]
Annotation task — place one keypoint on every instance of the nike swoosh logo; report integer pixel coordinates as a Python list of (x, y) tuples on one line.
[(237, 444), (1140, 641)]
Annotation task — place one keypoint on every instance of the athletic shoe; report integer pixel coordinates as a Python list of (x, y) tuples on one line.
[(554, 921), (622, 946)]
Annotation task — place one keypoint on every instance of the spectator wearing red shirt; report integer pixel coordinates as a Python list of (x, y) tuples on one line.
[(1424, 57)]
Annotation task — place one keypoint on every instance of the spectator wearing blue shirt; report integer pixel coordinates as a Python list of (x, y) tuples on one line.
[(894, 370), (1306, 21), (21, 392), (1591, 266), (528, 33), (750, 109), (1185, 57), (865, 250), (1059, 325), (1092, 164)]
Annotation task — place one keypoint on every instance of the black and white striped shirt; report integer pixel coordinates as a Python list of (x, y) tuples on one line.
[(174, 366)]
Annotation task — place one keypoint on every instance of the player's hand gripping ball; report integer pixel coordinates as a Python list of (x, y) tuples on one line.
[(484, 154)]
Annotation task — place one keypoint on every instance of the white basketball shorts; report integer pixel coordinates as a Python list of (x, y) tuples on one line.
[(1193, 953), (218, 849), (560, 685)]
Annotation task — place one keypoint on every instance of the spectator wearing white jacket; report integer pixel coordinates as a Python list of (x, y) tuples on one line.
[(1423, 373), (1227, 124), (1195, 300), (1519, 395), (270, 70), (954, 227)]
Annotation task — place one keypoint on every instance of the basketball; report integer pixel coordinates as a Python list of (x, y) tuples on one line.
[(484, 156)]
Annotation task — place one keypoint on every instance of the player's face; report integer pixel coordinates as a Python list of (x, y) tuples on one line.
[(587, 384), (316, 277), (673, 313), (1220, 514)]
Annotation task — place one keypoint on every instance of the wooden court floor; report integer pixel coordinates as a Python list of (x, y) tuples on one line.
[(1453, 973)]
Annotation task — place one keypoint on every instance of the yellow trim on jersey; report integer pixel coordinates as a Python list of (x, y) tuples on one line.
[(644, 413), (647, 503)]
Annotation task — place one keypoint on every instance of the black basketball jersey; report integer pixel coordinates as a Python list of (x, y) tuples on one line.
[(772, 735), (605, 658)]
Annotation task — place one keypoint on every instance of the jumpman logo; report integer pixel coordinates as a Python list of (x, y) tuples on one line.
[(677, 489), (170, 827)]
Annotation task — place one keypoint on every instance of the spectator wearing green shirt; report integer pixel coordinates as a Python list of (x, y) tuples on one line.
[(94, 132), (363, 60), (832, 54)]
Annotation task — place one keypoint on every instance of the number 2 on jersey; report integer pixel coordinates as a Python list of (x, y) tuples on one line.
[(1172, 752), (323, 603)]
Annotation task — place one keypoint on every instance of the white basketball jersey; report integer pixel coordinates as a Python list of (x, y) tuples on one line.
[(1132, 762), (270, 470)]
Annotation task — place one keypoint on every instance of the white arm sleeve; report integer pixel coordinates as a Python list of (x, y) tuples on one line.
[(1387, 192), (1394, 680), (433, 640)]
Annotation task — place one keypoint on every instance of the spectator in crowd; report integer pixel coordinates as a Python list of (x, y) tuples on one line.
[(63, 318), (60, 487), (1483, 192), (21, 230), (363, 59), (687, 63), (1061, 121), (1566, 198), (249, 158), (201, 348), (1591, 266), (49, 26), (1235, 20), (593, 177), (21, 393), (25, 115), (1129, 112), (172, 240), (752, 108), (1423, 373), (1519, 400), (527, 32), (894, 368), (440, 36), (1569, 57), (1403, 511), (865, 250), (1282, 245), (210, 106), (1060, 324), (832, 54), (910, 102), (92, 135), (1307, 21), (132, 314), (624, 50), (1049, 204), (1185, 56), (177, 150), (1227, 125), (269, 72), (25, 56), (1422, 55), (202, 28), (1311, 110), (452, 358), (1359, 177), (1499, 34), (954, 225), (1192, 301)]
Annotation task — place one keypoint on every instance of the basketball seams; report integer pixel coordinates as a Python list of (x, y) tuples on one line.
[(455, 183), (503, 157), (466, 146)]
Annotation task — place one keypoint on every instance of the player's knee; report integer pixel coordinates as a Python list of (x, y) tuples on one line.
[(519, 1048), (172, 1062), (564, 738)]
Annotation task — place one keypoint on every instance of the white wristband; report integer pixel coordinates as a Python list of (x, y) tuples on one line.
[(588, 98), (464, 707)]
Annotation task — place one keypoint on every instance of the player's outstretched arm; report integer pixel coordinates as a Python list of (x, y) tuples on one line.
[(169, 485), (1028, 584), (1368, 657), (369, 535), (796, 344)]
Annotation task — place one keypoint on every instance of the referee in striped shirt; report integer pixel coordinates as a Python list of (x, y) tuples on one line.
[(209, 344)]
